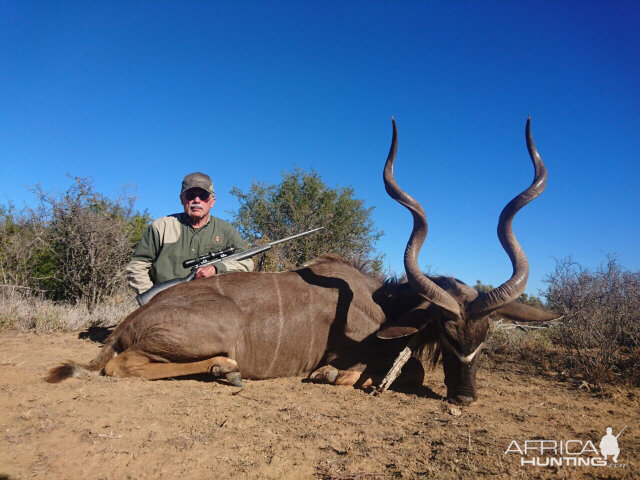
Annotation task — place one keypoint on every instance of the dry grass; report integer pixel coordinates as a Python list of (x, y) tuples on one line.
[(32, 313), (526, 344)]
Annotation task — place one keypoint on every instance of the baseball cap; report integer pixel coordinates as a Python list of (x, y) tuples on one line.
[(197, 180)]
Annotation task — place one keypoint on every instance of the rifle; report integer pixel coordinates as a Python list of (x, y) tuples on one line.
[(625, 427), (212, 258)]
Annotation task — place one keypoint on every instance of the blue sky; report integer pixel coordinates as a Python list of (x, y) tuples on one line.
[(142, 93)]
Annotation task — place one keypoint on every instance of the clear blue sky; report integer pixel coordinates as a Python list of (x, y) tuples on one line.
[(142, 93)]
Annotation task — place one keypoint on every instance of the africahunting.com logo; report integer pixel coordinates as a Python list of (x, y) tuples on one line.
[(569, 453)]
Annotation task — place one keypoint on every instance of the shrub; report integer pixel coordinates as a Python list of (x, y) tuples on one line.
[(72, 247), (600, 330), (300, 202), (25, 260)]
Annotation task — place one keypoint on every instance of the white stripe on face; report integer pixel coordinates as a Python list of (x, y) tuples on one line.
[(466, 359)]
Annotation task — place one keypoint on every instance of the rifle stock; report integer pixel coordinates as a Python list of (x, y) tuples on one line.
[(144, 297)]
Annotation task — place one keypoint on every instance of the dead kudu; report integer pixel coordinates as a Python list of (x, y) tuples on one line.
[(327, 319)]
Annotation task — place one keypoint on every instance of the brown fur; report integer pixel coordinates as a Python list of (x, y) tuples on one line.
[(271, 324), (231, 325)]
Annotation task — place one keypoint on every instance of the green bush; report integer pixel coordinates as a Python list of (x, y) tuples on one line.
[(300, 202)]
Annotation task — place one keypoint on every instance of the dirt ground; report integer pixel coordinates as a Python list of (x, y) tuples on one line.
[(197, 428)]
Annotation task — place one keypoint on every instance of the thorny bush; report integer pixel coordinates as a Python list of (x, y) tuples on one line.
[(600, 331), (73, 246)]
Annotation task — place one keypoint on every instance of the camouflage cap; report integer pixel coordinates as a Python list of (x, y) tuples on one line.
[(197, 180)]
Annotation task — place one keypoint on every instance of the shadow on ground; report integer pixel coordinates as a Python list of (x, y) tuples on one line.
[(96, 334)]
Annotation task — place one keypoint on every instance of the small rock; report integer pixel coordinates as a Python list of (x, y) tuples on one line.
[(456, 412)]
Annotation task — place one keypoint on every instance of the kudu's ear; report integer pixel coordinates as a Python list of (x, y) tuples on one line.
[(409, 324), (395, 332), (519, 312)]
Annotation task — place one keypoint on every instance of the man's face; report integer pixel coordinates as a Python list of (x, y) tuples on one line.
[(197, 203)]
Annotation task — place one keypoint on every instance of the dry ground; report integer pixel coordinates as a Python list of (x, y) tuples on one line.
[(105, 428)]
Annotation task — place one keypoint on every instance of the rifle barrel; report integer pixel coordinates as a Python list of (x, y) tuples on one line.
[(295, 236)]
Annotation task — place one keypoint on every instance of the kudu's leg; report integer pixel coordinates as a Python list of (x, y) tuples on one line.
[(330, 374), (132, 363), (412, 375)]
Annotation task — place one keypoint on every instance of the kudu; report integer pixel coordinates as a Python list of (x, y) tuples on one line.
[(454, 318), (265, 325)]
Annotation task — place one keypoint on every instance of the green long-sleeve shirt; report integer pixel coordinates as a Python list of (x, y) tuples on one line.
[(171, 240)]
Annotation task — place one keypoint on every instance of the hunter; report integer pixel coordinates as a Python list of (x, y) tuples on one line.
[(171, 240)]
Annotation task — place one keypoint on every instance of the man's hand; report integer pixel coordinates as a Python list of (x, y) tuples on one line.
[(208, 271)]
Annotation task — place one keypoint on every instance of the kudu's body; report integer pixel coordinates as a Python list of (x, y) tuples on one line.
[(327, 315), (269, 324)]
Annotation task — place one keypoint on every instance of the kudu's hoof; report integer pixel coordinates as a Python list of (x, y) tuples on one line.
[(326, 374), (234, 378)]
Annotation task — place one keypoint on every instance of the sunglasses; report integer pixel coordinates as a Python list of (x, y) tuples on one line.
[(202, 195)]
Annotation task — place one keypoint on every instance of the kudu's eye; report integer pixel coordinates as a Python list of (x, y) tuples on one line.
[(445, 324), (449, 331)]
